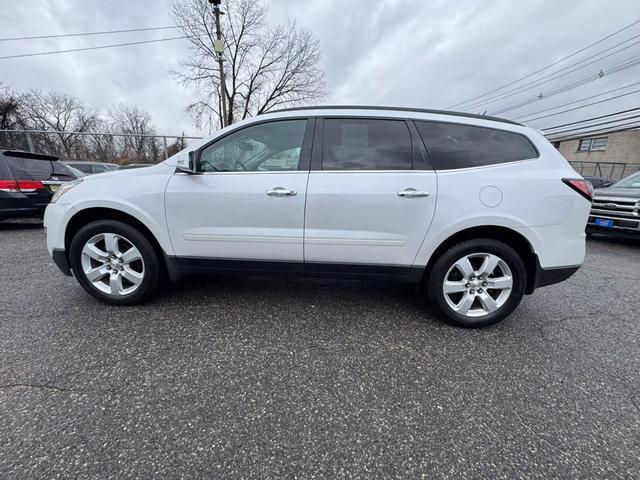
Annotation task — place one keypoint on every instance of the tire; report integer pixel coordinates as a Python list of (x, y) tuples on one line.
[(127, 272), (472, 291)]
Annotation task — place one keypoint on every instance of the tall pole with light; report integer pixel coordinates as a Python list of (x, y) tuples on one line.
[(218, 47)]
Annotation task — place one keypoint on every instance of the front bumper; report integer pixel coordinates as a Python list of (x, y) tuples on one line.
[(61, 261), (621, 225), (55, 223)]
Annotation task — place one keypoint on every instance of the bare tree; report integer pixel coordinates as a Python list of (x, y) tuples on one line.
[(11, 109), (62, 113), (130, 119), (265, 67)]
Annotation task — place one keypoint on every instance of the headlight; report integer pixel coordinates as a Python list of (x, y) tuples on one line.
[(64, 188)]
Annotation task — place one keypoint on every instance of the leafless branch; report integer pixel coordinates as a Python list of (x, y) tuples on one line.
[(265, 67)]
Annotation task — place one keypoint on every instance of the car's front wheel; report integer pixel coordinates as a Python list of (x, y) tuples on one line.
[(477, 283), (115, 262)]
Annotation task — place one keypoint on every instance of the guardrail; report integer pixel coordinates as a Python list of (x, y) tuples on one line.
[(612, 170)]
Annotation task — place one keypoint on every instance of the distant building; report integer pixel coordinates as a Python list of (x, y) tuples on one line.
[(623, 147), (619, 148)]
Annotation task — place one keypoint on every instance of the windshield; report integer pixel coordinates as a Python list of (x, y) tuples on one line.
[(76, 172), (632, 181)]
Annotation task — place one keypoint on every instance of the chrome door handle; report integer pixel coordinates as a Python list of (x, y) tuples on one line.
[(281, 192), (412, 193)]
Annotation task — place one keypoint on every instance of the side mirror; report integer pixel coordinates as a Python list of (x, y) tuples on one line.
[(193, 161)]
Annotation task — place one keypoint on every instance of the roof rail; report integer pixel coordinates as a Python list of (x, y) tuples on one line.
[(395, 109)]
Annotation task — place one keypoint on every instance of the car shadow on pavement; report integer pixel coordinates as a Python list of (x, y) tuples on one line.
[(629, 239), (12, 225), (258, 293)]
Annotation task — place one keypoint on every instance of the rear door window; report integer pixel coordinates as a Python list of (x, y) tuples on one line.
[(366, 144), (452, 145)]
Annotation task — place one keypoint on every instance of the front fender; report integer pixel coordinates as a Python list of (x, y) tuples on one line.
[(155, 223), (137, 193)]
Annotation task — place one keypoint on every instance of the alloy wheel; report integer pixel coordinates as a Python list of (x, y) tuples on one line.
[(477, 284), (112, 264)]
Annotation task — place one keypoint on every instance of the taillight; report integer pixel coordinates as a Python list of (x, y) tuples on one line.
[(9, 186), (25, 186), (581, 186), (30, 185)]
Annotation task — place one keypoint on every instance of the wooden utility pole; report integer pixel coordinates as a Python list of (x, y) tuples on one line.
[(218, 47)]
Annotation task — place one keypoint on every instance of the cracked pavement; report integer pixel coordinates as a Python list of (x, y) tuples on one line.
[(256, 377)]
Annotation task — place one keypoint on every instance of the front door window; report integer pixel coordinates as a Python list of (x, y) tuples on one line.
[(273, 146)]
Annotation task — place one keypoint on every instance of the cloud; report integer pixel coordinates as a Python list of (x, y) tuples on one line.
[(405, 52)]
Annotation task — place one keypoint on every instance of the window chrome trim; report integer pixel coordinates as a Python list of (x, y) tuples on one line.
[(298, 172), (482, 167), (372, 171)]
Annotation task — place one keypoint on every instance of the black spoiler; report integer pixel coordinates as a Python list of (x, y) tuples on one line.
[(35, 156)]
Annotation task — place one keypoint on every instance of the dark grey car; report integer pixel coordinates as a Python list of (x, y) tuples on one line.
[(617, 208)]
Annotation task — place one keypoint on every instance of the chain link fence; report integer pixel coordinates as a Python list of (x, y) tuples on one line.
[(117, 148), (130, 149), (612, 170)]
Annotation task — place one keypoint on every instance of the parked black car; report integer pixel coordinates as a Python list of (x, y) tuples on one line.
[(28, 181), (616, 209), (599, 182)]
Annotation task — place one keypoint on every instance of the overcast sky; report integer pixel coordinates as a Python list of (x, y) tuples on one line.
[(419, 53)]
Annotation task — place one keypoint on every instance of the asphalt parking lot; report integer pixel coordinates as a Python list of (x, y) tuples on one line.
[(258, 377)]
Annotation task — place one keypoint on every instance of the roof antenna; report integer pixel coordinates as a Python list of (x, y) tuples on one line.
[(484, 113)]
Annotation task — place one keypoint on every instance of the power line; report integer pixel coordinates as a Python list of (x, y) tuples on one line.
[(585, 133), (578, 108), (62, 35), (609, 122), (577, 101), (90, 48), (588, 128), (593, 118), (548, 66), (569, 86), (545, 78)]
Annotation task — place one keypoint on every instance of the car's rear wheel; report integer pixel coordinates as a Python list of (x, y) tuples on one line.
[(115, 262), (477, 283)]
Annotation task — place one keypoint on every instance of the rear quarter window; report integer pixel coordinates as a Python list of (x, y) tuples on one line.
[(451, 145)]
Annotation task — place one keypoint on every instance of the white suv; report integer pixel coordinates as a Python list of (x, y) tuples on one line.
[(479, 210)]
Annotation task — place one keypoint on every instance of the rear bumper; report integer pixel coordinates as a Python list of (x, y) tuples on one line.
[(16, 205), (21, 213), (550, 276), (61, 261)]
